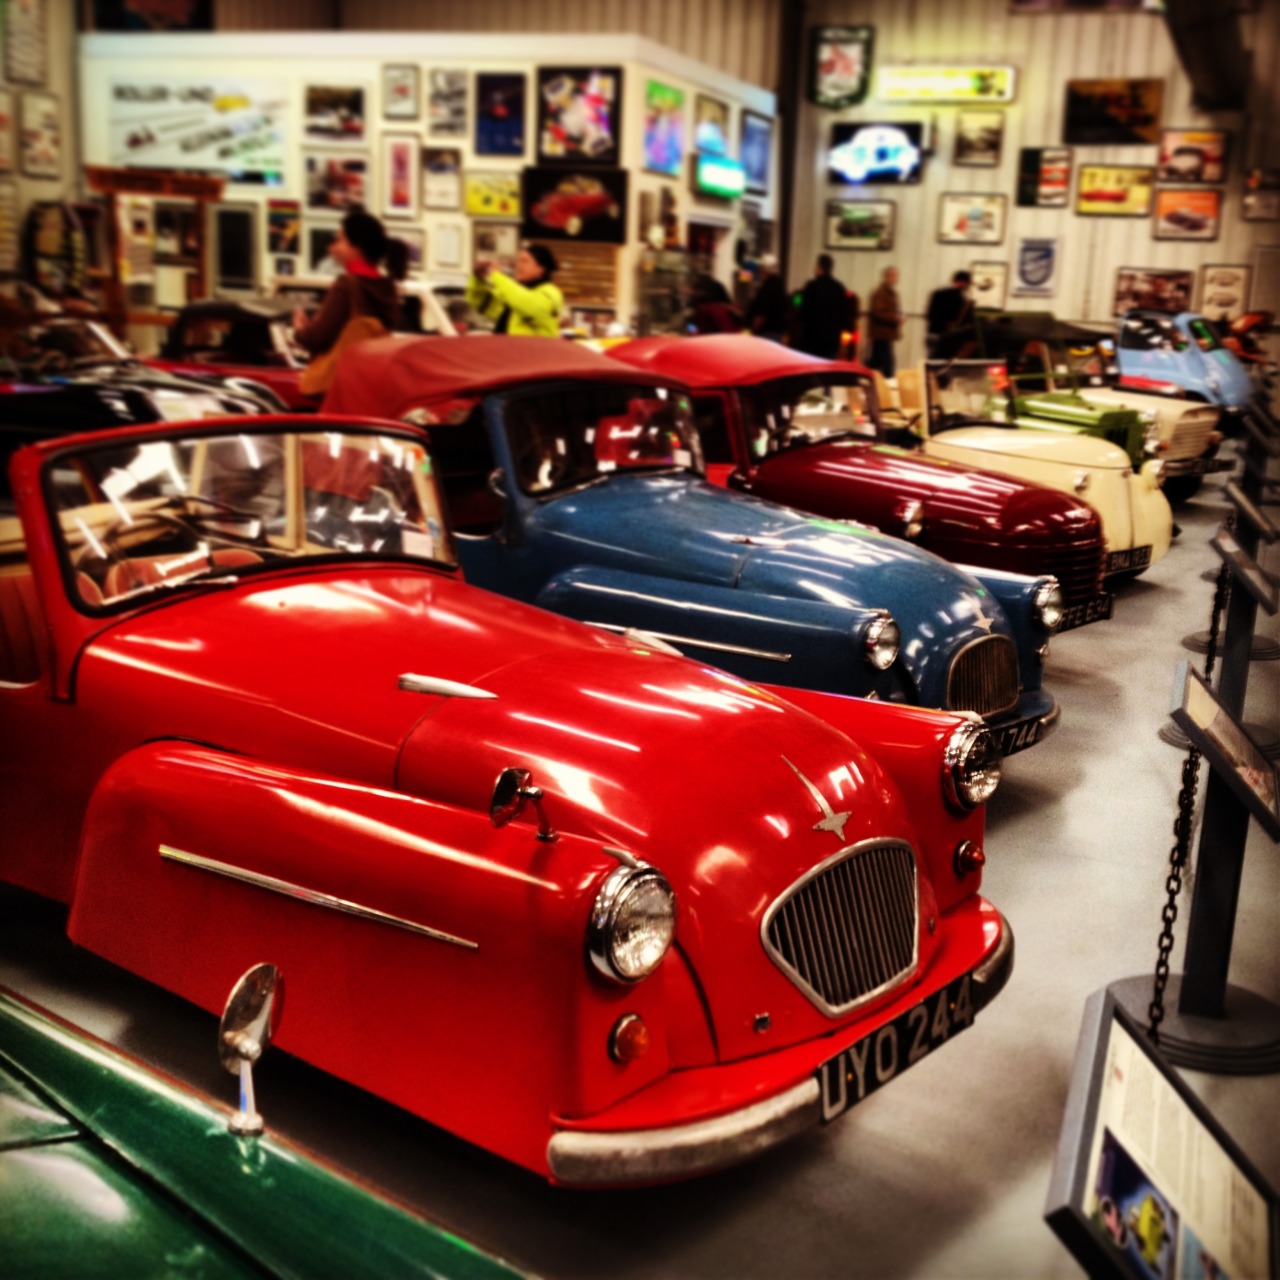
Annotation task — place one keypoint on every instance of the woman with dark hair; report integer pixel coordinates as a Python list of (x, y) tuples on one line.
[(528, 305), (361, 292)]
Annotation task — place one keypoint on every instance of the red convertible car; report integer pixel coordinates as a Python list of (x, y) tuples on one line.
[(506, 861), (807, 432)]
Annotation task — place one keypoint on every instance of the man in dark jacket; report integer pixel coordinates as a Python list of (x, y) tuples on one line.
[(824, 311), (948, 309), (768, 313)]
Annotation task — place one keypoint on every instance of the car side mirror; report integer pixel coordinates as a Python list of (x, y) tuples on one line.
[(511, 793), (249, 1021)]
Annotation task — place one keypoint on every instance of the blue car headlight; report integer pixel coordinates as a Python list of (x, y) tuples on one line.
[(882, 642), (1048, 604)]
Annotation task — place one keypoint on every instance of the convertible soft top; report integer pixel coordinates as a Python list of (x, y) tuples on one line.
[(391, 376), (1003, 333), (725, 359)]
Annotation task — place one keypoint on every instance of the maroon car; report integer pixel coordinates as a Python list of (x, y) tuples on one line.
[(808, 433)]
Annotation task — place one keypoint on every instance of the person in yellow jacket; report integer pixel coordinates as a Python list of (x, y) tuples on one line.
[(527, 306)]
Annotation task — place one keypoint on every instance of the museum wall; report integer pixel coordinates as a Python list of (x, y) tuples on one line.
[(1047, 49), (735, 36)]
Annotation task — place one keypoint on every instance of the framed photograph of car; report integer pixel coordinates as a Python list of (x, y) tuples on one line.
[(1188, 214), (499, 127), (579, 115), (401, 175), (840, 65), (979, 138), (446, 103), (334, 114), (663, 128), (1192, 155), (1150, 289), (972, 219), (491, 195), (1115, 191), (710, 126), (41, 136), (755, 148), (1044, 177), (1113, 112), (441, 178), (1224, 291), (401, 92), (860, 224), (561, 204), (336, 181), (990, 285)]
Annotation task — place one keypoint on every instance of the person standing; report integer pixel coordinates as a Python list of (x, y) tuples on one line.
[(949, 308), (528, 305), (823, 309), (767, 314), (885, 326)]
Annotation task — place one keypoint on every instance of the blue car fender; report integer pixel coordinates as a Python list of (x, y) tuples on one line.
[(1016, 595)]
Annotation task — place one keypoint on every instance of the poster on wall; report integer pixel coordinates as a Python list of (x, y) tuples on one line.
[(1044, 177), (441, 178), (710, 126), (447, 252), (6, 131), (446, 103), (860, 224), (135, 238), (336, 181), (990, 284), (1192, 155), (177, 234), (8, 228), (1187, 214), (491, 195), (579, 114), (320, 237), (756, 147), (1224, 291), (401, 93), (839, 65), (230, 126), (1035, 270), (971, 219), (26, 51), (499, 114), (401, 175), (1113, 112), (979, 138), (1115, 191), (41, 136), (562, 204), (1153, 290), (334, 114), (663, 128), (284, 227)]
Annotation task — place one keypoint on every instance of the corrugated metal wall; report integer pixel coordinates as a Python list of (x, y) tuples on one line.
[(1048, 50), (735, 36)]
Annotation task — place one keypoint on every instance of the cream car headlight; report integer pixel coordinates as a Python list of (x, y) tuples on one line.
[(1049, 604), (632, 923), (882, 642), (970, 766)]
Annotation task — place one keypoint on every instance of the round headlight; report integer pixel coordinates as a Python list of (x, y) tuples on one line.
[(970, 766), (883, 638), (632, 923), (1049, 603)]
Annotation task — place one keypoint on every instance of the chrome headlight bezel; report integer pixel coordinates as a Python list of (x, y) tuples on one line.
[(1049, 604), (617, 896), (970, 767), (882, 642)]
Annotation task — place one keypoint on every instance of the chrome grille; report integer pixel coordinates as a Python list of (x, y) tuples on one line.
[(984, 677), (847, 931), (1191, 433), (1078, 569)]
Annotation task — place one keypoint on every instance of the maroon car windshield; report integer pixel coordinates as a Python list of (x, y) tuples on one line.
[(794, 411), (147, 515)]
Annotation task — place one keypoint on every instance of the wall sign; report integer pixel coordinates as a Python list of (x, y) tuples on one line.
[(946, 84), (1188, 214), (860, 224), (1115, 191), (839, 65), (1036, 267), (1044, 177), (1113, 112)]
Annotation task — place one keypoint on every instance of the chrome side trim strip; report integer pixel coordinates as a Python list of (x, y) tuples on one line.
[(412, 683), (717, 646), (645, 1155), (312, 896)]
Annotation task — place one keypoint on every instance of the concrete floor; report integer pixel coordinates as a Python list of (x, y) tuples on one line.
[(943, 1174)]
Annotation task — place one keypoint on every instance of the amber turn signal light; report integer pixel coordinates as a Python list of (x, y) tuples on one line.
[(968, 858), (629, 1039)]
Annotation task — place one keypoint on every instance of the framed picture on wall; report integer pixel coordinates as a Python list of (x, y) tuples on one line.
[(335, 181), (562, 204), (441, 178), (579, 115), (446, 103), (979, 138), (284, 227), (6, 132), (497, 241), (860, 224), (284, 266), (177, 237), (448, 252), (1113, 112), (319, 237), (334, 114), (235, 246), (972, 219), (401, 175), (1192, 155), (1224, 291), (1187, 213), (1115, 191), (1036, 266), (401, 92), (840, 65), (1153, 290), (41, 136), (1261, 195), (710, 126), (26, 50), (755, 149), (1044, 177), (491, 195), (990, 284), (663, 128), (500, 123)]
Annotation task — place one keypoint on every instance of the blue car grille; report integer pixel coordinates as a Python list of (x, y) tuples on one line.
[(984, 677), (847, 931)]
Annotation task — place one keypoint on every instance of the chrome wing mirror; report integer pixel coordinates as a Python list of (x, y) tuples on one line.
[(511, 793), (248, 1022)]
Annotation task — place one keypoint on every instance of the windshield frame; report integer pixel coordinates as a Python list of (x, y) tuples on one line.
[(750, 394)]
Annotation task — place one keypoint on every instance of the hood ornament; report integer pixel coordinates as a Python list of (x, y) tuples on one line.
[(981, 620), (830, 821)]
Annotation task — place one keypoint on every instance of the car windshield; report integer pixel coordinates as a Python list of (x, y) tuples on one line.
[(566, 439), (959, 390), (798, 411), (150, 515), (60, 344)]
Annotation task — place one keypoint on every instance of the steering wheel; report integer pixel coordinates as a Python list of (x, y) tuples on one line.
[(109, 542)]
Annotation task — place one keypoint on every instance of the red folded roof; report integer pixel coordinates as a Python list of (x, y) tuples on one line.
[(724, 360)]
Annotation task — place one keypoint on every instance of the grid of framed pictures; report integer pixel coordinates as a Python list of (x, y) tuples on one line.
[(972, 218), (860, 224)]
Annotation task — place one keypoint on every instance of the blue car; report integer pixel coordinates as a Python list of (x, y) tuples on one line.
[(1182, 355), (575, 483)]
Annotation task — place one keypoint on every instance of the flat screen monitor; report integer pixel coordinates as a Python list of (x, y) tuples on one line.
[(875, 153)]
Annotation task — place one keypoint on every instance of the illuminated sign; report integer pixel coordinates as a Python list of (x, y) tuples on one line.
[(720, 177), (946, 84), (875, 153)]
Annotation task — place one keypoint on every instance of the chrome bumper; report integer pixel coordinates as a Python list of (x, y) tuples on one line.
[(579, 1158)]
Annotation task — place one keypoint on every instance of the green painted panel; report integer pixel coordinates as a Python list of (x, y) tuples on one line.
[(25, 1118)]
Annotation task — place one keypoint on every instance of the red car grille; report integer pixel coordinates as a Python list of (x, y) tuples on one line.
[(847, 931), (1077, 569), (984, 677)]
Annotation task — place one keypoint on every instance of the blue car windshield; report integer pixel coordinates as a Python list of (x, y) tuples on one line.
[(567, 438)]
